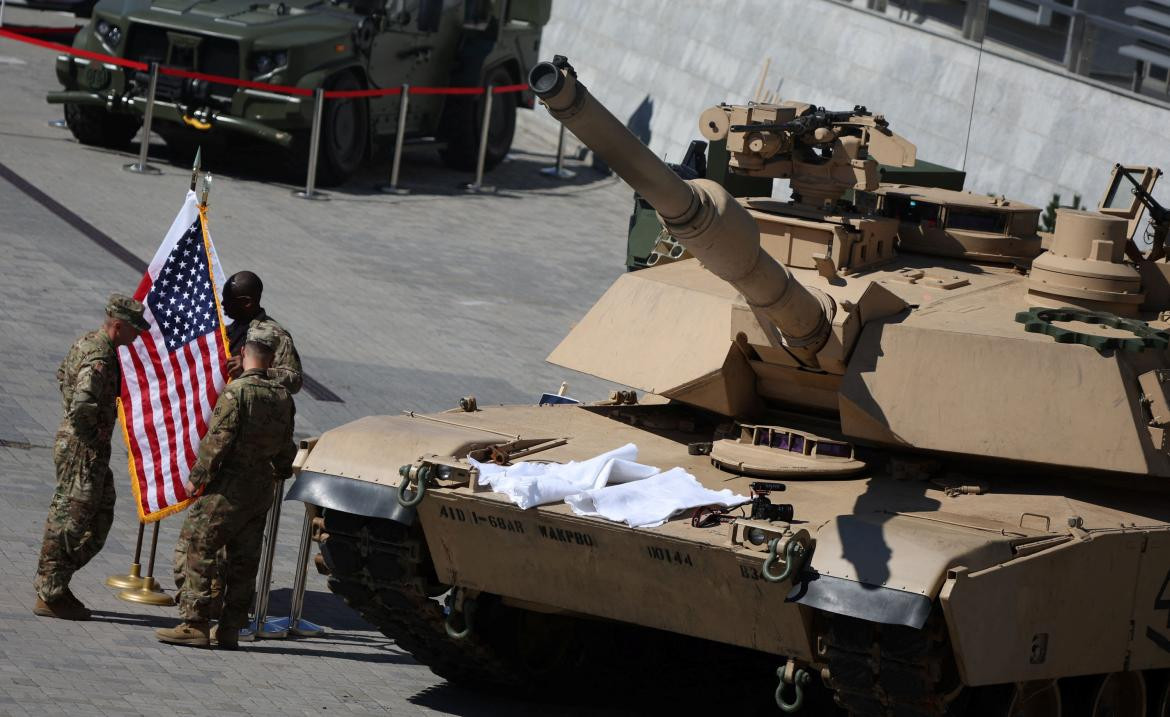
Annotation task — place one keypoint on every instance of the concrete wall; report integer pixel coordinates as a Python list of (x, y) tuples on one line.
[(1035, 130)]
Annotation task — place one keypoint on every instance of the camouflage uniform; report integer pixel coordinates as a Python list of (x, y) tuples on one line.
[(286, 370), (248, 445), (286, 364), (82, 508)]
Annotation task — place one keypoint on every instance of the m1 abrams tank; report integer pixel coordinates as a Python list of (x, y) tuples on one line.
[(970, 433)]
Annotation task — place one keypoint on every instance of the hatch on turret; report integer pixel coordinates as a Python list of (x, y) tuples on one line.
[(780, 452)]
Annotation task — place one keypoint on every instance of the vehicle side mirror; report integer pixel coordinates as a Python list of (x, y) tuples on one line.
[(429, 12)]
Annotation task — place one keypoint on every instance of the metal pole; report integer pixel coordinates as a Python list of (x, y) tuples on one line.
[(310, 190), (150, 593), (133, 579), (261, 628), (485, 122), (141, 166), (294, 623), (559, 171), (403, 105), (1, 13)]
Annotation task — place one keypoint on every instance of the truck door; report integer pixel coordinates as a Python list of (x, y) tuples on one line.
[(417, 45)]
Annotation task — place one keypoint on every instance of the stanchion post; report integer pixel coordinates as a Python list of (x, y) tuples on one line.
[(559, 171), (261, 628), (477, 186), (310, 190), (294, 623), (134, 578), (141, 166), (396, 163), (150, 593)]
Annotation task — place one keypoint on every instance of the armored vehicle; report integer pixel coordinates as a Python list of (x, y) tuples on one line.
[(953, 450), (344, 45)]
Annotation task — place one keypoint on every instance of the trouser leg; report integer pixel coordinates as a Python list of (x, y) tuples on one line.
[(79, 518), (243, 559), (208, 527)]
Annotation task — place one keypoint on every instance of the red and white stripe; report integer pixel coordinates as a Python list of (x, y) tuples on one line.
[(167, 397)]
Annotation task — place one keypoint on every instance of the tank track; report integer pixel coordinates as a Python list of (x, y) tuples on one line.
[(381, 569), (891, 670)]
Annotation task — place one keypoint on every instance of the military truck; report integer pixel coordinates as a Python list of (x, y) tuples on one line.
[(953, 451), (338, 45)]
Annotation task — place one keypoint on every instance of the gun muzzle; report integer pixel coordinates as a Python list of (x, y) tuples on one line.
[(700, 213)]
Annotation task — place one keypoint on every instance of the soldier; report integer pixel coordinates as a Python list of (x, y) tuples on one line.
[(248, 445), (82, 509), (241, 302)]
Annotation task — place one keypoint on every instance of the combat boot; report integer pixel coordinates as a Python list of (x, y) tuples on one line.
[(61, 608), (193, 634), (227, 638), (69, 596)]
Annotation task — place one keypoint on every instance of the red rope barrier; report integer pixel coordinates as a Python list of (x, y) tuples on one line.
[(219, 79), (120, 61), (236, 82)]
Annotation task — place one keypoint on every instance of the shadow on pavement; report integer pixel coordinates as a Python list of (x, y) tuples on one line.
[(422, 171), (135, 619)]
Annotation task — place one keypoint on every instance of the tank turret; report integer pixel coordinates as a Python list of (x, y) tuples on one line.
[(699, 213)]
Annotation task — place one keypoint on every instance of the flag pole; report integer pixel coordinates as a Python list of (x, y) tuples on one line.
[(132, 580), (196, 166), (150, 593)]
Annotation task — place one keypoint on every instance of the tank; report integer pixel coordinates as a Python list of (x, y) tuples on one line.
[(348, 45), (952, 429)]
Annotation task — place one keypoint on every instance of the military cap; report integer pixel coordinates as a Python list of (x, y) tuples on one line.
[(128, 310), (262, 334)]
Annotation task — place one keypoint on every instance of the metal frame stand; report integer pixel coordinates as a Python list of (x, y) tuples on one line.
[(133, 579), (260, 627), (141, 166), (310, 190), (559, 171), (477, 187), (294, 623), (396, 163), (150, 593)]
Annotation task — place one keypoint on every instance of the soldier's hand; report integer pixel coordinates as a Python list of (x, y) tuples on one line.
[(235, 366), (189, 487)]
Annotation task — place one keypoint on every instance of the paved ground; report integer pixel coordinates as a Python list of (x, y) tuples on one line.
[(395, 302)]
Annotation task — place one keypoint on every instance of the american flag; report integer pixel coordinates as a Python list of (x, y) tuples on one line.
[(173, 373)]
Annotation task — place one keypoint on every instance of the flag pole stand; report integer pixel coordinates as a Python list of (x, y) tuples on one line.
[(294, 623), (150, 593), (132, 580), (261, 628)]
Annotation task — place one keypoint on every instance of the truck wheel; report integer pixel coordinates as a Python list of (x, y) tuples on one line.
[(460, 127), (345, 132), (96, 127)]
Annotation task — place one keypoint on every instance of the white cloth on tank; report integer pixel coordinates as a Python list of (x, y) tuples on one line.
[(531, 483), (612, 486), (651, 501)]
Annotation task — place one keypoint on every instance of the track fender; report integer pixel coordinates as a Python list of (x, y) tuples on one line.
[(1094, 602), (354, 467), (888, 567)]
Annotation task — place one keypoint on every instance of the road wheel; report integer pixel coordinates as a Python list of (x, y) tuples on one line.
[(1118, 694), (462, 119), (96, 127), (1027, 699)]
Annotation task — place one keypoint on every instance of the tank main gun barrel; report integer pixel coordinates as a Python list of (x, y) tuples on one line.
[(699, 213)]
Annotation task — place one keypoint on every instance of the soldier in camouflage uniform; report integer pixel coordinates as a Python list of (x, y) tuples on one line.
[(83, 505), (241, 302), (248, 446)]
